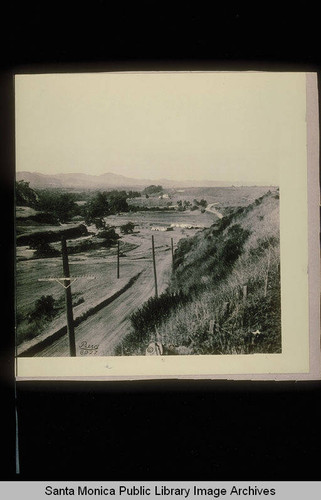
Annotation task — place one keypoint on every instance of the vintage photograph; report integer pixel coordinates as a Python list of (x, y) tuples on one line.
[(147, 214)]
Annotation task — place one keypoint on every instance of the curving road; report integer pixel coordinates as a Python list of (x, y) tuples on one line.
[(210, 208)]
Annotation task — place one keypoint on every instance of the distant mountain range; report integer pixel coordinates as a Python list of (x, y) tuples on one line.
[(110, 180)]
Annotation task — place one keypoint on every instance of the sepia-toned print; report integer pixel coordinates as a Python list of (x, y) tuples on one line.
[(147, 216)]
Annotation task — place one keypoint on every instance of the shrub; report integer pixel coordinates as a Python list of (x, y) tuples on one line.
[(109, 235), (44, 250), (236, 237), (127, 228), (262, 245), (44, 308), (156, 309), (45, 218)]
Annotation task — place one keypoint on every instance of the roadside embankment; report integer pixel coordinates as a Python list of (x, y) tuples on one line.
[(53, 235), (59, 328)]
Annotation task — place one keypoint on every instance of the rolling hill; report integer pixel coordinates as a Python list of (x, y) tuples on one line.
[(224, 293), (109, 180)]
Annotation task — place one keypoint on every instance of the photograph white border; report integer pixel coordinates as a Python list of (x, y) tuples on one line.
[(300, 287)]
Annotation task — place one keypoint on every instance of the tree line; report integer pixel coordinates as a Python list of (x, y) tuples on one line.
[(62, 206)]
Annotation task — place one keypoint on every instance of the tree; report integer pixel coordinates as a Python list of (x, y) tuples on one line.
[(180, 205), (202, 203), (104, 204), (99, 223), (127, 228), (150, 190), (62, 205), (44, 308), (43, 249), (109, 235), (25, 196), (134, 194), (117, 201), (97, 207)]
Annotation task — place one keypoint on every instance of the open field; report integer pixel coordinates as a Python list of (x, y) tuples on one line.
[(223, 196)]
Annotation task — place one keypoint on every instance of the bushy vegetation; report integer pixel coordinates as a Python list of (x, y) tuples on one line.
[(153, 312), (43, 250), (25, 196), (224, 295), (103, 204), (60, 204), (127, 228), (36, 238), (133, 194), (152, 190), (146, 320), (109, 236), (44, 218), (46, 308), (96, 208)]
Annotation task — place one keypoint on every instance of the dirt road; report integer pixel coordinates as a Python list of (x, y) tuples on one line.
[(109, 326), (211, 208)]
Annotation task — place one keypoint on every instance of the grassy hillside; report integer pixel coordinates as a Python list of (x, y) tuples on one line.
[(224, 295)]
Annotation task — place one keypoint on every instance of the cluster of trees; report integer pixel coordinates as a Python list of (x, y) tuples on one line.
[(152, 190), (103, 204), (133, 194), (25, 196), (187, 205), (62, 205), (200, 204)]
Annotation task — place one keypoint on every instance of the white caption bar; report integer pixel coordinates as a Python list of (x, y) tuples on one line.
[(278, 490)]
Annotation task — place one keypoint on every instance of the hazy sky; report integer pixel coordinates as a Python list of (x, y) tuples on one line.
[(215, 126)]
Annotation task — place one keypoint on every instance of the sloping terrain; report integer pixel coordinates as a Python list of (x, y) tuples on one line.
[(224, 294)]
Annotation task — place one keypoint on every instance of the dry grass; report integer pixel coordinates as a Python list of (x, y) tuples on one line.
[(211, 270)]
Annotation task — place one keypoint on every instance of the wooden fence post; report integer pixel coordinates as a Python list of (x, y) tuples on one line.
[(154, 266), (267, 274), (118, 259)]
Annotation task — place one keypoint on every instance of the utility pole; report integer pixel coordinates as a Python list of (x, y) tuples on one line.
[(66, 282), (68, 298), (154, 265), (172, 246), (118, 259)]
